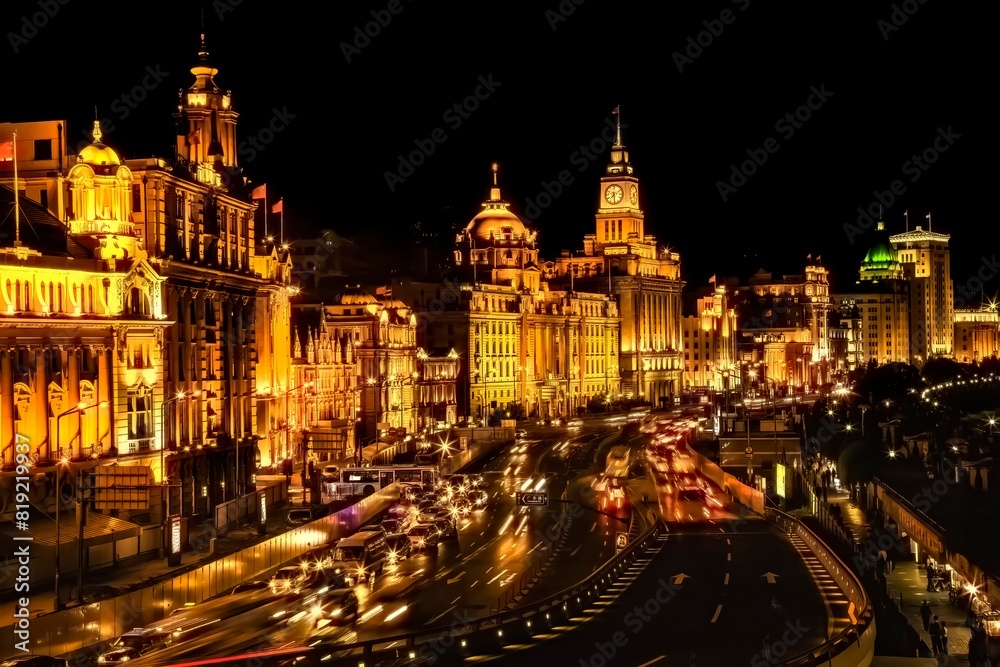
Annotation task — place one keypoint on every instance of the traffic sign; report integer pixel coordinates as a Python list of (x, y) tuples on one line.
[(621, 540), (393, 431), (749, 452), (532, 498)]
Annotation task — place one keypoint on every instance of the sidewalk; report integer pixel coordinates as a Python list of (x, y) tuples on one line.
[(142, 571), (907, 586)]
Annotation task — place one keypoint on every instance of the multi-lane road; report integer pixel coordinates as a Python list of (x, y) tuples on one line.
[(719, 587)]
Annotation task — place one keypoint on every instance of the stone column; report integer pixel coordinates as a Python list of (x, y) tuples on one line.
[(40, 406), (7, 435), (104, 394), (73, 391)]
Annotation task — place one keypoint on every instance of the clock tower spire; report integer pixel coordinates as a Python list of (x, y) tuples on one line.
[(619, 218)]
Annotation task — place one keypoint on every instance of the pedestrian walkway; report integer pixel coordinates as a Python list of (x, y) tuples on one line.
[(907, 586)]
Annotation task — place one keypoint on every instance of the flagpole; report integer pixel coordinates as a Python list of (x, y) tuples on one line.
[(265, 214), (17, 203), (282, 202)]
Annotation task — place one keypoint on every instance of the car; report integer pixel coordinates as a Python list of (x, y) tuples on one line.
[(340, 604), (34, 661), (398, 511), (521, 433), (446, 529), (287, 579), (249, 586), (432, 514), (399, 548), (331, 474), (423, 536), (134, 644), (392, 526), (575, 423)]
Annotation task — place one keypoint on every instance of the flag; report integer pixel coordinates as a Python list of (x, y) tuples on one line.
[(809, 256), (7, 151), (277, 207), (616, 111), (259, 192), (928, 216), (711, 281)]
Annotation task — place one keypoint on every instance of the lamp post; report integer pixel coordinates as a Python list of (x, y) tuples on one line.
[(60, 462)]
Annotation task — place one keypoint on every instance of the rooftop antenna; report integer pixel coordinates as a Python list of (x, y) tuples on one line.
[(906, 216), (930, 225), (618, 121)]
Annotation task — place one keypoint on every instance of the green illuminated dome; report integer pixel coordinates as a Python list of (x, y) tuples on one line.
[(881, 259)]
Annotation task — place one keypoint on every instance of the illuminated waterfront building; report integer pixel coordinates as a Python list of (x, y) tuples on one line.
[(379, 333), (323, 400), (184, 227), (437, 388), (710, 341), (523, 347), (926, 262), (877, 307), (784, 327), (622, 259), (977, 333)]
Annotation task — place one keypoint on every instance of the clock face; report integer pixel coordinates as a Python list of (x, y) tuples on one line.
[(613, 194), (633, 195)]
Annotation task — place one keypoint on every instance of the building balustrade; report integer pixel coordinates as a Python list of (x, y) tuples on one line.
[(139, 445)]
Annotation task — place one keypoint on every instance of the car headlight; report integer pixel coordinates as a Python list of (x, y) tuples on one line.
[(337, 612)]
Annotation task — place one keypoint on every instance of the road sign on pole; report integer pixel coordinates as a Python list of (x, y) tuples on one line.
[(532, 498), (621, 540), (749, 452)]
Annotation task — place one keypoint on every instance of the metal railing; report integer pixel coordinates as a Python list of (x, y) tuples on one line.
[(847, 581), (515, 622), (908, 506)]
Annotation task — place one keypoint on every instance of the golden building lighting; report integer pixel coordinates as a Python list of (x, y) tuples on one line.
[(524, 348), (710, 341), (926, 262), (141, 285), (977, 333), (621, 259)]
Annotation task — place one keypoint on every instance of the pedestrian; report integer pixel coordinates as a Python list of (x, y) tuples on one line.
[(944, 639), (935, 632), (925, 614)]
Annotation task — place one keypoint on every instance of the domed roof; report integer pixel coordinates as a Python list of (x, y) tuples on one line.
[(97, 153), (495, 221), (355, 296), (881, 255)]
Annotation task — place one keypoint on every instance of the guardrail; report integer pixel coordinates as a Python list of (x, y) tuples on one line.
[(486, 634), (855, 644)]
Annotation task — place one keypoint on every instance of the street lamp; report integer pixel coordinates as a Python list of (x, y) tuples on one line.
[(80, 407)]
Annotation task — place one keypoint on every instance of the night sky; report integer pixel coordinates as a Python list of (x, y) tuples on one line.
[(889, 88)]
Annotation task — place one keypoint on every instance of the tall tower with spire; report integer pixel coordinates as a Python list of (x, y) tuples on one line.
[(206, 121), (619, 218)]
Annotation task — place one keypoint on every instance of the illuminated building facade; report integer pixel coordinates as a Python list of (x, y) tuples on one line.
[(878, 306), (437, 388), (82, 322), (621, 259), (977, 333), (523, 348), (323, 402), (186, 227), (926, 261), (710, 341), (784, 330), (381, 334)]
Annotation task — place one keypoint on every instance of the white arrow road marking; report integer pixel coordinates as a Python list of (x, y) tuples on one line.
[(771, 577)]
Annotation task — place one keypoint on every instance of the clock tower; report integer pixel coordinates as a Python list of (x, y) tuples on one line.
[(619, 218)]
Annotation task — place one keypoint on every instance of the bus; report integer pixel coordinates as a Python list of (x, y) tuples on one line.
[(367, 480)]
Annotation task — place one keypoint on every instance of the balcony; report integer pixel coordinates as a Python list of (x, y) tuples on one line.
[(118, 227), (139, 445)]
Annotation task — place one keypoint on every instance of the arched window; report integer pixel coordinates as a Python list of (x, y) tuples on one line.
[(17, 294), (60, 302), (52, 294), (90, 298), (138, 303)]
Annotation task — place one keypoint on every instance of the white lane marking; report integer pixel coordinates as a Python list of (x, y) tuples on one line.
[(474, 583), (436, 618), (573, 552), (460, 597), (653, 661), (718, 610), (497, 577), (593, 527), (726, 582), (729, 556)]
